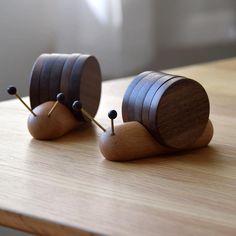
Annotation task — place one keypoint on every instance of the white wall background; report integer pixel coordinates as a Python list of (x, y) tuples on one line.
[(127, 36), (26, 31)]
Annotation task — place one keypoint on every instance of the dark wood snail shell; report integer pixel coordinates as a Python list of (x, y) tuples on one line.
[(78, 77), (163, 113)]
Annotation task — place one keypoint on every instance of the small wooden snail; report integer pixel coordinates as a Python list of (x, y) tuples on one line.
[(77, 76), (163, 114), (131, 140)]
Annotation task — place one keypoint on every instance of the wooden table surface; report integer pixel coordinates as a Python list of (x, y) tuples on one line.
[(66, 187)]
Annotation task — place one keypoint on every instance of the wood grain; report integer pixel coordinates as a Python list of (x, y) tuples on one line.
[(90, 86), (74, 81), (34, 91), (128, 92), (179, 113), (120, 147), (149, 97), (141, 94), (55, 76), (56, 187), (135, 92), (65, 77), (44, 84), (60, 121), (85, 85)]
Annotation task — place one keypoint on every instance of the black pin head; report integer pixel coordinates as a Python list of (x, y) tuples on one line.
[(60, 97), (77, 106), (112, 114), (12, 90)]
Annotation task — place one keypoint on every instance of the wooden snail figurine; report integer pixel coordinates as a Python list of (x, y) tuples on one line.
[(131, 140), (163, 114), (66, 78)]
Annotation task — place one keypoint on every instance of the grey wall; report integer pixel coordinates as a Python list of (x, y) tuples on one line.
[(127, 36), (195, 31), (25, 32)]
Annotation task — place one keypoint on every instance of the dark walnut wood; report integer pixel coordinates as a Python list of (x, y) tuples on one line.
[(74, 83), (134, 95), (55, 76), (174, 109), (147, 100), (128, 92), (65, 77), (35, 80), (77, 76), (45, 78), (179, 113), (148, 81), (90, 85)]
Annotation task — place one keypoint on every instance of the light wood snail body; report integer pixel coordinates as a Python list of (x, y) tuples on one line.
[(133, 141), (60, 122), (163, 114)]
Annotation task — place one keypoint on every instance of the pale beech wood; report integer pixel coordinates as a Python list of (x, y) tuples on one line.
[(133, 141), (62, 185), (44, 127)]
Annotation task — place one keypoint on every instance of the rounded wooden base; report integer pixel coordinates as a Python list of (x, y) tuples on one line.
[(132, 141), (44, 127)]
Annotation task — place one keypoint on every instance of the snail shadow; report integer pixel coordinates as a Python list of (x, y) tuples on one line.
[(82, 134), (202, 156), (205, 156)]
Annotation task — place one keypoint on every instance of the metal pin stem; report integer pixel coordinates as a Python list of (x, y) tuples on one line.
[(112, 127), (25, 104), (53, 108), (92, 119)]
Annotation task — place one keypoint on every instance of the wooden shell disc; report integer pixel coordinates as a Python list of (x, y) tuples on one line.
[(125, 103), (44, 83), (65, 77), (77, 76), (131, 94), (149, 97), (147, 83), (85, 84), (179, 113), (35, 80), (134, 95), (55, 76)]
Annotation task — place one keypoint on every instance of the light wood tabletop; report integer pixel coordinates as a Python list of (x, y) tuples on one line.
[(66, 187)]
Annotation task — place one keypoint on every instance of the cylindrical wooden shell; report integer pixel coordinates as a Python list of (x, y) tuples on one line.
[(174, 109), (77, 76)]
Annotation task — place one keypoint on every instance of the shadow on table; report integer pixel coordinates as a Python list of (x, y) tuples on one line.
[(198, 157), (80, 135)]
